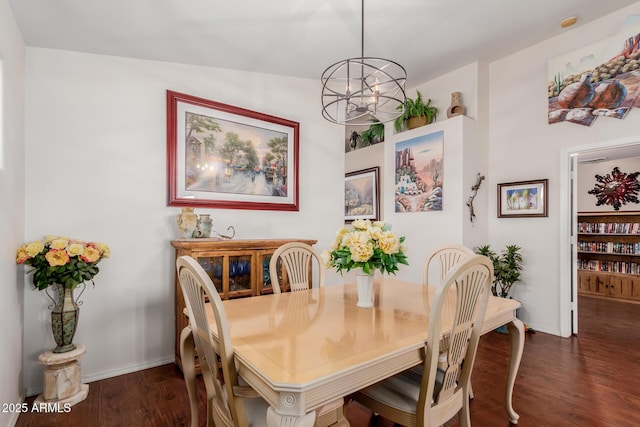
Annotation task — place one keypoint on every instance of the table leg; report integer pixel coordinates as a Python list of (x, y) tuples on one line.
[(516, 333), (276, 420), (187, 356)]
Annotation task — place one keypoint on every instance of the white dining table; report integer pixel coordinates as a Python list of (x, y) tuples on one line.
[(305, 350)]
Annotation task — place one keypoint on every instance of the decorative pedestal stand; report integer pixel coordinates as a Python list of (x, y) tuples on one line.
[(62, 377)]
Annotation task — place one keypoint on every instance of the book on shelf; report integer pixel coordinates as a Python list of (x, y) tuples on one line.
[(609, 266), (609, 227)]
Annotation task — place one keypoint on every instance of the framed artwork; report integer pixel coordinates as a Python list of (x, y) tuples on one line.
[(221, 156), (595, 81), (616, 189), (522, 199), (419, 173), (362, 195)]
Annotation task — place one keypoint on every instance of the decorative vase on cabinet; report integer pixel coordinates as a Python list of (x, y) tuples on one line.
[(187, 222), (203, 226)]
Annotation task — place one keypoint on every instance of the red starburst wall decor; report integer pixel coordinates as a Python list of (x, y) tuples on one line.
[(616, 189)]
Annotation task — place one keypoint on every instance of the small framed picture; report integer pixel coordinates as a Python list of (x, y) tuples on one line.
[(361, 195), (522, 199)]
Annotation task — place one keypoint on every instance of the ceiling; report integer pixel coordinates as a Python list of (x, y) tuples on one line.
[(301, 38)]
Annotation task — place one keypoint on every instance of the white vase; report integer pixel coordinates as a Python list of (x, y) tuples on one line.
[(365, 289)]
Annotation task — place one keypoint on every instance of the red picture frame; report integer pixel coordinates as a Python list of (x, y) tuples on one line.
[(227, 157)]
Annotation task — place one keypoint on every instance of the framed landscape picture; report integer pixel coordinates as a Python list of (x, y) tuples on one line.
[(221, 156), (361, 195), (522, 199), (419, 173)]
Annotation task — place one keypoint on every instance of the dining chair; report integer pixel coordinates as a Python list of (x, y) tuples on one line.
[(298, 260), (229, 403), (445, 258), (442, 260), (437, 395)]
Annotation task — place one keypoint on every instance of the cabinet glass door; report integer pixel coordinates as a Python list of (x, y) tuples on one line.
[(266, 286), (240, 273), (214, 268)]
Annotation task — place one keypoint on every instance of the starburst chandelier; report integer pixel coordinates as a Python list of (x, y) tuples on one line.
[(357, 91)]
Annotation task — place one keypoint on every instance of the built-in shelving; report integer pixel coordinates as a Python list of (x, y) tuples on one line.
[(608, 252)]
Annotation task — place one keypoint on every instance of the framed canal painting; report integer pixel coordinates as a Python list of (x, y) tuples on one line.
[(221, 156), (522, 199), (362, 195)]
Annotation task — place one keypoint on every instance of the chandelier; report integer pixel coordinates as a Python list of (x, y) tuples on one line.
[(357, 91)]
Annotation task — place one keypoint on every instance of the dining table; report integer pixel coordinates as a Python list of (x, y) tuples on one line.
[(309, 349)]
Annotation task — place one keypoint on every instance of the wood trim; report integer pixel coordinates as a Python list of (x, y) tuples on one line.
[(624, 213)]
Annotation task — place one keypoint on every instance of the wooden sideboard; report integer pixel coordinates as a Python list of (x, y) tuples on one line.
[(238, 268)]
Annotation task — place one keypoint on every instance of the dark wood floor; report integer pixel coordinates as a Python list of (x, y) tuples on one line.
[(589, 380)]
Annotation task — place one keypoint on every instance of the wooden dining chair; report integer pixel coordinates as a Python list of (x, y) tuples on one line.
[(442, 260), (436, 395), (298, 260), (445, 258), (229, 403)]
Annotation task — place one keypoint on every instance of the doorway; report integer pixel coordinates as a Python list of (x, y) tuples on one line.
[(571, 158)]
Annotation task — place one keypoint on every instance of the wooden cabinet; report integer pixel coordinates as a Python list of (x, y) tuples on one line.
[(609, 255), (238, 268)]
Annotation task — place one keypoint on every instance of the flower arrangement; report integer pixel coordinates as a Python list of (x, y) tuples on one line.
[(367, 245), (60, 260)]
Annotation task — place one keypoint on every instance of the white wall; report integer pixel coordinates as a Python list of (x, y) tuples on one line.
[(464, 157), (523, 146), (467, 80), (96, 150), (12, 189), (587, 181)]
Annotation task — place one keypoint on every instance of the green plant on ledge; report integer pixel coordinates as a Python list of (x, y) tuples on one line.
[(416, 109), (506, 268), (373, 135)]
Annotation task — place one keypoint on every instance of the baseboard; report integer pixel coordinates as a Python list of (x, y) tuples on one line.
[(126, 370), (111, 373), (14, 417)]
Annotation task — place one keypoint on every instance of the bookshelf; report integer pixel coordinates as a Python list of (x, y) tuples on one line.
[(608, 248)]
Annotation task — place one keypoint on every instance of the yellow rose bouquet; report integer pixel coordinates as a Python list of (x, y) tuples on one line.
[(61, 260), (367, 245)]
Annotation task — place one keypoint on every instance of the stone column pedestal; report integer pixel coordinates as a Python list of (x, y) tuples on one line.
[(62, 377)]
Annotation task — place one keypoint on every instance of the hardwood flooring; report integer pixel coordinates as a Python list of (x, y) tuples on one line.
[(588, 380)]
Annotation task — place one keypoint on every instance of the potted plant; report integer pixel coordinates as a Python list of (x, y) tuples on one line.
[(506, 268), (416, 113), (374, 134)]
